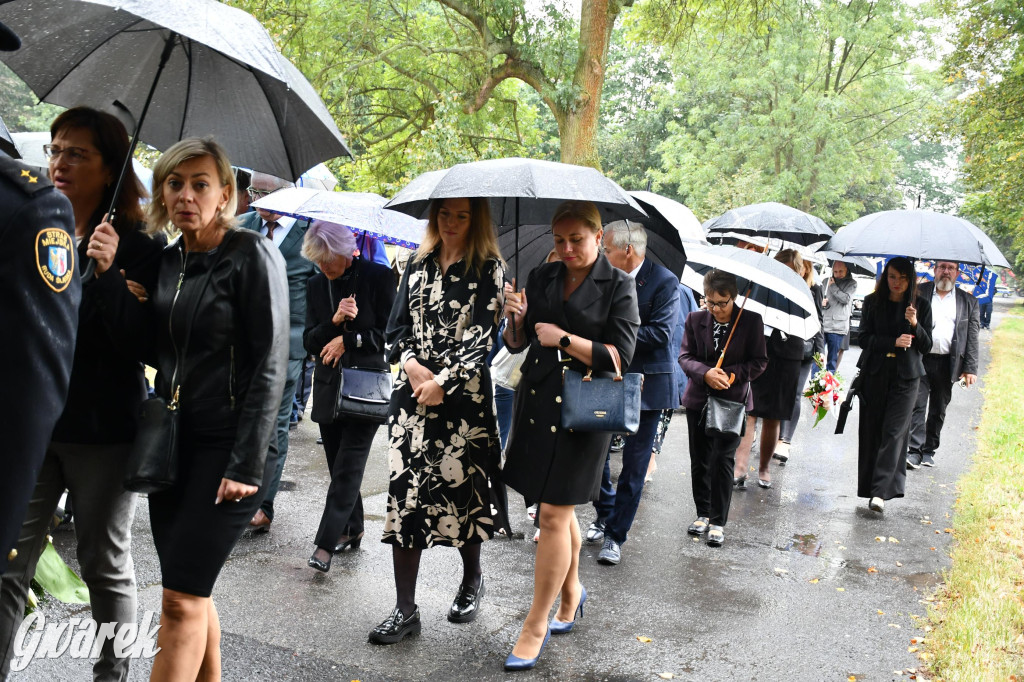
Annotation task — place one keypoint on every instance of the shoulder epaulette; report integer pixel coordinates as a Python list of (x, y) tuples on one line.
[(27, 178)]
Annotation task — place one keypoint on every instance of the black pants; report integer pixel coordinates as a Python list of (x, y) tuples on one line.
[(347, 445), (933, 396), (886, 403), (712, 459)]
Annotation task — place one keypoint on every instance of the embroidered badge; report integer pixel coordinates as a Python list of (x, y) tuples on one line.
[(55, 258)]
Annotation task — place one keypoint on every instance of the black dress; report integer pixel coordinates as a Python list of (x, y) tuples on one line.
[(890, 378), (545, 462)]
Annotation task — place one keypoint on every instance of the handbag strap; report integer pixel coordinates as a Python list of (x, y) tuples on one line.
[(616, 361), (175, 389), (330, 297)]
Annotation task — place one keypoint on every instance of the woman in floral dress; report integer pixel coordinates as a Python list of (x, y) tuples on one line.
[(444, 447)]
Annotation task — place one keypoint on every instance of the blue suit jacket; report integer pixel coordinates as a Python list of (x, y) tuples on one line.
[(687, 304), (657, 294), (299, 271)]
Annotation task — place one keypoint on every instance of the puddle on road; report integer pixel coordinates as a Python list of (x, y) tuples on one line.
[(807, 544), (923, 581)]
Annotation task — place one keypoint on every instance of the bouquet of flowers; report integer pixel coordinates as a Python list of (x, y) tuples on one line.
[(824, 390)]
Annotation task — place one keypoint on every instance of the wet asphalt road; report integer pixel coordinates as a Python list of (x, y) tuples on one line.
[(809, 586)]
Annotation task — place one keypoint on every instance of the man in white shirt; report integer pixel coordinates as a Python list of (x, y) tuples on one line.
[(954, 356)]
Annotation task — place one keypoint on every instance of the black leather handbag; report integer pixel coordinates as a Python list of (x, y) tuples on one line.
[(153, 461), (600, 403), (350, 392), (724, 417)]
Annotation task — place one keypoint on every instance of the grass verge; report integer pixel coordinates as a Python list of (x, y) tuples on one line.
[(978, 623)]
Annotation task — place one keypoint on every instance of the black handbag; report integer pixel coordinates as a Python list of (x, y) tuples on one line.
[(152, 464), (724, 417), (600, 403)]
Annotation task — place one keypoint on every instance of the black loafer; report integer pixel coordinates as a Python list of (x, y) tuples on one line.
[(467, 603), (396, 627)]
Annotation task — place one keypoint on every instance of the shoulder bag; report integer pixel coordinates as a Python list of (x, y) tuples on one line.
[(599, 403), (724, 417), (153, 461)]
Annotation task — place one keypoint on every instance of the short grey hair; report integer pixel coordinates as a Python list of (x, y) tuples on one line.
[(623, 233), (324, 240)]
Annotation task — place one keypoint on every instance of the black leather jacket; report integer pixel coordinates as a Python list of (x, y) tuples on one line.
[(236, 358)]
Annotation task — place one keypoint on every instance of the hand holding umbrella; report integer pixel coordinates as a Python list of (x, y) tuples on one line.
[(515, 308)]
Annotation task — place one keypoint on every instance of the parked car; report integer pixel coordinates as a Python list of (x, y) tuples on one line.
[(865, 285)]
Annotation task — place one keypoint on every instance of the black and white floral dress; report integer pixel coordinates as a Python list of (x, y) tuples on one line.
[(442, 459)]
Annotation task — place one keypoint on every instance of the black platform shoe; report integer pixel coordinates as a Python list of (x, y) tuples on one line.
[(467, 603), (396, 626)]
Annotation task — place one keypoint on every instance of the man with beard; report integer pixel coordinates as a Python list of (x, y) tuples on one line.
[(953, 357)]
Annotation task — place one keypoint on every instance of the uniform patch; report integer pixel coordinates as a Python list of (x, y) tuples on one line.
[(55, 258)]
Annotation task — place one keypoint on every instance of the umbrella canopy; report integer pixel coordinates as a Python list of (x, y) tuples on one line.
[(223, 76), (7, 145), (318, 177), (770, 220), (859, 265), (359, 211), (917, 234), (780, 296), (670, 225)]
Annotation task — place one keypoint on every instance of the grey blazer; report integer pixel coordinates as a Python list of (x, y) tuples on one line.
[(963, 352)]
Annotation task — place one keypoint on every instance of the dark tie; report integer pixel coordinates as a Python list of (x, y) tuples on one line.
[(271, 226)]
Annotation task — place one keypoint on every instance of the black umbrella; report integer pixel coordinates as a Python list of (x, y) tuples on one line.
[(521, 192), (7, 145), (768, 220), (917, 234), (670, 226), (858, 265)]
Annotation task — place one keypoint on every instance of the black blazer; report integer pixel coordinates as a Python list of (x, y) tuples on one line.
[(963, 352), (877, 341), (745, 357), (374, 289), (604, 310), (657, 292)]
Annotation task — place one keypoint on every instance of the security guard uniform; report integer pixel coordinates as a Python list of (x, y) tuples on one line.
[(39, 295)]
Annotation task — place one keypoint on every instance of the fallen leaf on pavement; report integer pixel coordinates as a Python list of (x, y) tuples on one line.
[(840, 589), (911, 649), (881, 612), (947, 530), (899, 564), (666, 676), (879, 539), (893, 625), (872, 569), (813, 581), (641, 638), (894, 541)]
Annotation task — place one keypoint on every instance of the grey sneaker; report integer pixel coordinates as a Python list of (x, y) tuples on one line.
[(611, 553), (914, 460), (927, 460), (595, 533)]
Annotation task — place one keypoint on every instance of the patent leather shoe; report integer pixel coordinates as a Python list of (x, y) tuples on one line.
[(560, 628), (345, 542), (322, 566), (513, 662), (396, 627), (467, 603)]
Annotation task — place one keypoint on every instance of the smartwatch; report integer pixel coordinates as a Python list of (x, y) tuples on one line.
[(565, 341)]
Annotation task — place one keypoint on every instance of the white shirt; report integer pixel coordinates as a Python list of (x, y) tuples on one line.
[(943, 321), (635, 272), (284, 225)]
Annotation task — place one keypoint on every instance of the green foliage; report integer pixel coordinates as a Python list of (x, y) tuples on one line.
[(22, 111)]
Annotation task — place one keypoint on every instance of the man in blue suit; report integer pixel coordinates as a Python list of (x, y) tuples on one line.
[(657, 291), (287, 234)]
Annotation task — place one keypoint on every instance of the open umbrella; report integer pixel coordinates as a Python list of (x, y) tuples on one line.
[(778, 294), (917, 234), (7, 145), (359, 211), (859, 265), (670, 226), (769, 220), (521, 191)]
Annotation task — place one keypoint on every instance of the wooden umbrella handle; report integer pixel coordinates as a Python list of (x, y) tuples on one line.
[(718, 365)]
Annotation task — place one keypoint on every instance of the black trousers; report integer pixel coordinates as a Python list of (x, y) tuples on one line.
[(933, 396), (712, 459), (346, 445), (887, 404)]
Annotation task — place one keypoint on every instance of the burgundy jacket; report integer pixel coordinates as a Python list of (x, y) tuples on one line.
[(745, 357)]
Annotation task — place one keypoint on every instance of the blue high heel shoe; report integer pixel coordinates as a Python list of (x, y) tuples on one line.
[(560, 628), (513, 662)]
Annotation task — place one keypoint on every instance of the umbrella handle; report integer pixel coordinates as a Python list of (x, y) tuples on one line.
[(718, 365)]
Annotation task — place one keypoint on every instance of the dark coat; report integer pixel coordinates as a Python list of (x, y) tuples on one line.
[(878, 338), (963, 352), (39, 308), (657, 294), (299, 271), (745, 357), (687, 304), (545, 462)]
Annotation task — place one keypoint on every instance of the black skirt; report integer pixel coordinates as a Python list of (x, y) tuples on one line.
[(773, 391)]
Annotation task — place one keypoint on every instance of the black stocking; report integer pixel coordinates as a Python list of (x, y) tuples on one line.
[(471, 571), (407, 567)]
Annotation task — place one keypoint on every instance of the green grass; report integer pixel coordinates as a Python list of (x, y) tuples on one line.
[(977, 622)]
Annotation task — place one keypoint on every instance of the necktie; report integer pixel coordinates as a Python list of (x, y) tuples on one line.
[(271, 226)]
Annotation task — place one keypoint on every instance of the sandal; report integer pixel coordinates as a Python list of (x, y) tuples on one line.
[(698, 527), (716, 536)]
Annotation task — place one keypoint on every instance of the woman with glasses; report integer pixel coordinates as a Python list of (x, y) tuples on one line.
[(90, 443), (712, 454), (895, 334)]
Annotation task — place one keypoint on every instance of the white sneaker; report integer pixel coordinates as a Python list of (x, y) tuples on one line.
[(876, 504)]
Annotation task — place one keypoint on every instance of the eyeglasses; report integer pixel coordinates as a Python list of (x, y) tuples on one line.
[(255, 194), (72, 155), (721, 305)]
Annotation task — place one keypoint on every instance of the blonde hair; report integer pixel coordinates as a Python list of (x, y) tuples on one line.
[(583, 211), (793, 259), (178, 153), (481, 242), (808, 272)]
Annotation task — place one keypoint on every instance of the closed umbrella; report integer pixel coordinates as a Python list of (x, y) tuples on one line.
[(917, 234), (770, 220), (766, 286)]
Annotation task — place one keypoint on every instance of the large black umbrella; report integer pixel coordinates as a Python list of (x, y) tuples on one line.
[(917, 234), (768, 220), (780, 296), (7, 145), (670, 226), (521, 192)]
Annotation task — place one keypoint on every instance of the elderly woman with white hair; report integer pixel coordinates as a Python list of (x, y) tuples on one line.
[(347, 308)]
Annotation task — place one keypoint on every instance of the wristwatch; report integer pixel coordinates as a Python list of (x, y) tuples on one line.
[(565, 341)]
